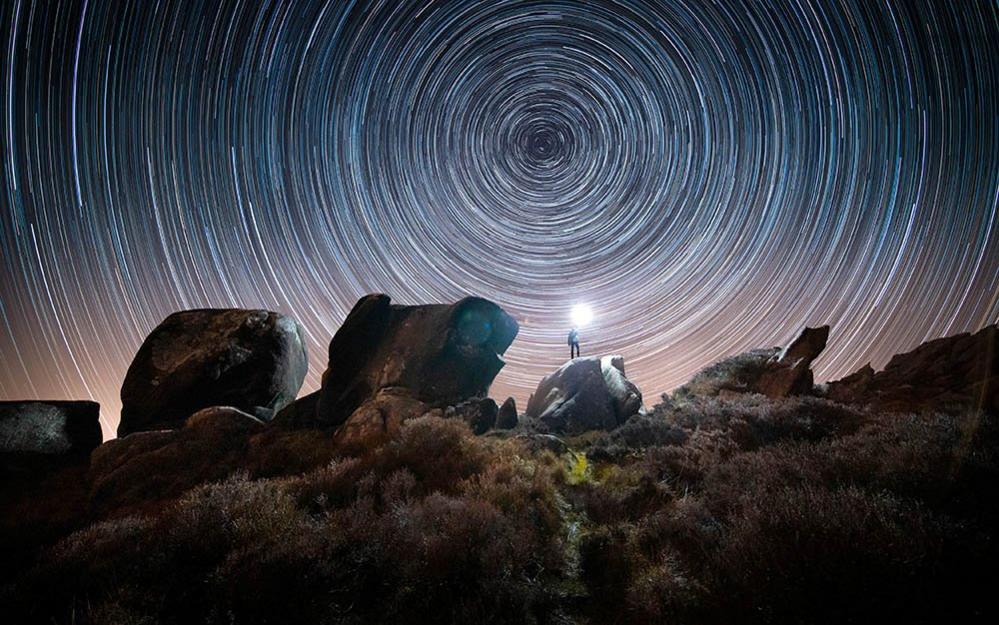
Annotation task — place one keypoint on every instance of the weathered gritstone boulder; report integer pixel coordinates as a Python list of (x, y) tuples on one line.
[(506, 417), (790, 372), (148, 467), (299, 413), (254, 360), (49, 428), (440, 354), (479, 414), (957, 373), (585, 394), (774, 372), (380, 417), (141, 471)]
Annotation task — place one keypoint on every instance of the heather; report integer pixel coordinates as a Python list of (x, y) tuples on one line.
[(703, 510)]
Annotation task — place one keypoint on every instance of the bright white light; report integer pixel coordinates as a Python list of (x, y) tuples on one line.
[(581, 315)]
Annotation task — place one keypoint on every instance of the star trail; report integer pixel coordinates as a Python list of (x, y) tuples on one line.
[(708, 177)]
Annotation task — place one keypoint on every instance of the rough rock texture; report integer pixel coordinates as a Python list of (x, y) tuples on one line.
[(479, 413), (254, 360), (585, 394), (379, 417), (49, 427), (772, 372), (852, 388), (299, 413), (138, 472), (958, 372), (506, 417), (148, 466), (625, 396), (441, 354), (790, 372)]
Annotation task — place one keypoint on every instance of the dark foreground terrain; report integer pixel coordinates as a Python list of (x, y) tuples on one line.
[(720, 504)]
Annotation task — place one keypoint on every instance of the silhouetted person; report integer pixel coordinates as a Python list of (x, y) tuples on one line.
[(573, 343)]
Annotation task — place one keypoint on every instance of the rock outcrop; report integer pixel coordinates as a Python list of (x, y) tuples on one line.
[(506, 416), (584, 394), (386, 358), (790, 372), (774, 372), (479, 413), (299, 413), (254, 360), (139, 471), (380, 417), (49, 428), (45, 449), (958, 372)]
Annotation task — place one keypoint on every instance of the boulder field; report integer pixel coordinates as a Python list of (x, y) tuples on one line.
[(201, 395)]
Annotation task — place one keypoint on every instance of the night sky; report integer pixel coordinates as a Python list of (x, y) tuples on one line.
[(708, 176)]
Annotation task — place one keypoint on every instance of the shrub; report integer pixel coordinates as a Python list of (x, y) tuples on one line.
[(712, 511), (752, 421), (435, 523), (637, 433), (734, 373), (816, 555)]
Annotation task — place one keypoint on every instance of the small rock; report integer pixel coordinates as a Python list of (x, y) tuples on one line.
[(380, 417), (300, 413), (479, 414), (506, 417)]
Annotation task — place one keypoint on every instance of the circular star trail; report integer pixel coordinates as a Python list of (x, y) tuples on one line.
[(708, 177)]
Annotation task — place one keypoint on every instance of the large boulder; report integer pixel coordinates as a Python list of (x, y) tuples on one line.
[(436, 354), (775, 372), (584, 394), (955, 373), (254, 360), (49, 428)]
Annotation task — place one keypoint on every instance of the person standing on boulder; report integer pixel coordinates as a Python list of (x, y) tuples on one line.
[(573, 343)]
